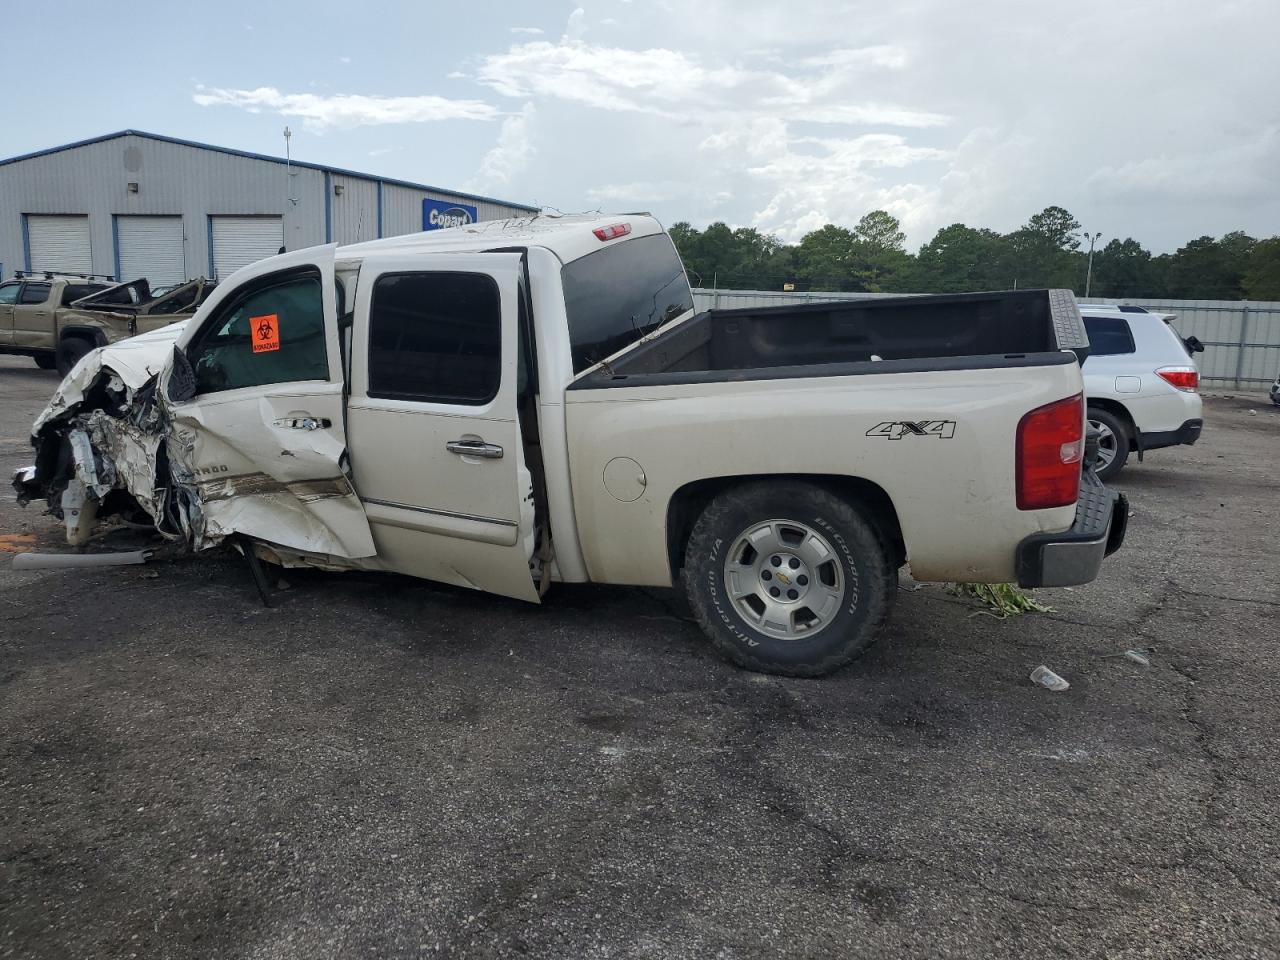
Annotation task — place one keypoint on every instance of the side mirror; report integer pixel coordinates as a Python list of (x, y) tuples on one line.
[(182, 379), (1194, 344)]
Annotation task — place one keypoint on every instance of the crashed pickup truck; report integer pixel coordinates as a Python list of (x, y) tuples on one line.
[(58, 318), (513, 404)]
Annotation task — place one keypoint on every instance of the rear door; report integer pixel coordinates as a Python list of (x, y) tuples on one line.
[(263, 436), (435, 438)]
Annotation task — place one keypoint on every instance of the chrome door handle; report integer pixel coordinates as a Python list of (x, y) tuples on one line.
[(305, 423), (475, 448)]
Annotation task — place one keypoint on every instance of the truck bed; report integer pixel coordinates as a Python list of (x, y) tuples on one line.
[(958, 331)]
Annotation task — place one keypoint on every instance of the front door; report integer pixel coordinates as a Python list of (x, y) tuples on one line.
[(435, 438), (262, 439), (8, 297), (33, 316)]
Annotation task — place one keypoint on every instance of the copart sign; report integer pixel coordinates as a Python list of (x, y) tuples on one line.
[(439, 214)]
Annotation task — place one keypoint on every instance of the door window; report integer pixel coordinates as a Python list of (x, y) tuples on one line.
[(34, 293), (270, 332), (436, 338), (9, 293)]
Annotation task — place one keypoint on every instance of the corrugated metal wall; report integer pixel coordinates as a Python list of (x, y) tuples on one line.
[(402, 209), (1241, 337), (194, 182), (355, 211)]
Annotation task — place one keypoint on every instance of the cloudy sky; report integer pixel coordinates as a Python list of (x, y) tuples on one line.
[(1158, 120)]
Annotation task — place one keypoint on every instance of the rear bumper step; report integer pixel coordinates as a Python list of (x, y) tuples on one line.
[(1075, 556)]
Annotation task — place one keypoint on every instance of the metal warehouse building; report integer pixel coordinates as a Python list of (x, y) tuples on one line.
[(134, 204)]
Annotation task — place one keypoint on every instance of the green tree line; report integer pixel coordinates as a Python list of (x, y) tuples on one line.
[(1047, 251)]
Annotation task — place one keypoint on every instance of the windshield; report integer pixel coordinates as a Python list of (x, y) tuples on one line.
[(617, 295)]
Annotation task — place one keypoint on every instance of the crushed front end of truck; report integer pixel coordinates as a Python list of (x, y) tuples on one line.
[(103, 444)]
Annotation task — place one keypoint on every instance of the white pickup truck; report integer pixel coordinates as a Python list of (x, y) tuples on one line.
[(510, 404)]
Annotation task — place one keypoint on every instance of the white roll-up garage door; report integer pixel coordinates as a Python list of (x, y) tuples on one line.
[(151, 247), (59, 242), (239, 241)]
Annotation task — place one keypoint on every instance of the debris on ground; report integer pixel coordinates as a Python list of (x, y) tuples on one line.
[(1139, 655), (1048, 679), (48, 561), (1004, 599)]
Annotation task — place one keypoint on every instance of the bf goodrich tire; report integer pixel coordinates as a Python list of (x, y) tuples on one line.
[(786, 577), (70, 350), (45, 361), (1114, 445)]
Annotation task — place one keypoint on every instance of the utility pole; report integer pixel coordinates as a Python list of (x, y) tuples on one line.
[(292, 201), (1088, 277)]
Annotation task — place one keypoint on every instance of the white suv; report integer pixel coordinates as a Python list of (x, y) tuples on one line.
[(1140, 381)]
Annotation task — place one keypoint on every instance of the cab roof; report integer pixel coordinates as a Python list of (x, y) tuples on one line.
[(568, 236)]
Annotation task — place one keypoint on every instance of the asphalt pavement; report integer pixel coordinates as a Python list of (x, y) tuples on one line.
[(383, 767)]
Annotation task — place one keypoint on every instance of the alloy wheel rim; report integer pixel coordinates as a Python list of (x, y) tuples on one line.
[(784, 579), (1106, 443)]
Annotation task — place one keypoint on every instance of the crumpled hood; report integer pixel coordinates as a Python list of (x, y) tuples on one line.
[(134, 361)]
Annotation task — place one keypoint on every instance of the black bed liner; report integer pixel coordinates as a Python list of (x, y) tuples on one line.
[(966, 331)]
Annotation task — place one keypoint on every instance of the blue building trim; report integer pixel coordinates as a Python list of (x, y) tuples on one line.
[(209, 227), (262, 156), (379, 209), (115, 243), (26, 244), (328, 207)]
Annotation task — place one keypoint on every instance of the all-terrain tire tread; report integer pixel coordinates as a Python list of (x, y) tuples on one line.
[(878, 584)]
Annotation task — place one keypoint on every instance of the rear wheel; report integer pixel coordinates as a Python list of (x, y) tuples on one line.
[(788, 578), (45, 361), (70, 350), (1113, 444)]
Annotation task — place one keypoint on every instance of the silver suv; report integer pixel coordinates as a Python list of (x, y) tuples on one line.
[(1141, 383)]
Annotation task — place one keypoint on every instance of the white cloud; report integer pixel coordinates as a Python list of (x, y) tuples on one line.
[(806, 182), (675, 84), (532, 31), (510, 155), (640, 193), (345, 111), (1222, 172), (576, 26), (344, 59)]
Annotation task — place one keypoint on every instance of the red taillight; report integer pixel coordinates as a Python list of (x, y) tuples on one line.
[(1184, 378), (1050, 446), (613, 231)]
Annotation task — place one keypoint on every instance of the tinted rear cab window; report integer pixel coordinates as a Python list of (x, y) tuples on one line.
[(1108, 336), (74, 291), (620, 293)]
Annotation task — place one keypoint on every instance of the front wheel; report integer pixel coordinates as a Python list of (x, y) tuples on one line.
[(1113, 442), (786, 577), (70, 350)]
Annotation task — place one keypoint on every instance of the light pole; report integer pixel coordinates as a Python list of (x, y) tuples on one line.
[(1088, 277)]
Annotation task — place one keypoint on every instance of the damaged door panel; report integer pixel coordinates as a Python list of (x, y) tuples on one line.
[(260, 444), (436, 444)]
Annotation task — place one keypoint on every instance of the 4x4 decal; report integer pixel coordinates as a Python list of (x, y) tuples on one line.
[(897, 429)]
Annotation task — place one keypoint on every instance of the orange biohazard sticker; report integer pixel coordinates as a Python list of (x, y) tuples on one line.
[(265, 333)]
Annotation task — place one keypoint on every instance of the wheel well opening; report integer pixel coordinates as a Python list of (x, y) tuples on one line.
[(1116, 409), (867, 497)]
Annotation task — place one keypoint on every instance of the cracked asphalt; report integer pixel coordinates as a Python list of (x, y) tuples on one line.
[(378, 766)]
